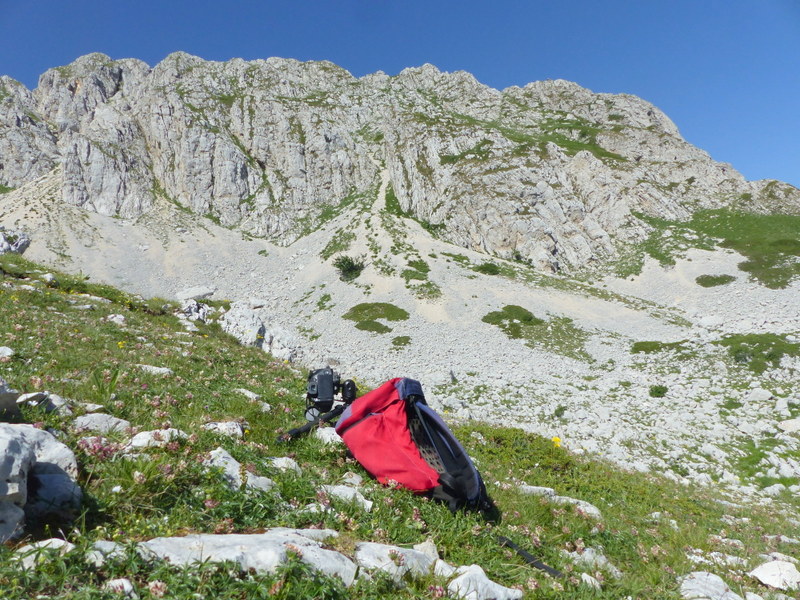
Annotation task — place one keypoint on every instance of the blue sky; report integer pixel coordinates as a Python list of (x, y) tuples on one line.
[(727, 72)]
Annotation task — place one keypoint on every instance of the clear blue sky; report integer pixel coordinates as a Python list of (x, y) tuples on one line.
[(727, 72)]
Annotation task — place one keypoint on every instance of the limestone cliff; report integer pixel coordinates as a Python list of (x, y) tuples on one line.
[(550, 173)]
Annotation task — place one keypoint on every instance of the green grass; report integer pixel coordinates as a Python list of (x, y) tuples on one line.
[(366, 316), (759, 351), (401, 341), (714, 280), (558, 334), (340, 242), (79, 354), (649, 347), (769, 243), (487, 268)]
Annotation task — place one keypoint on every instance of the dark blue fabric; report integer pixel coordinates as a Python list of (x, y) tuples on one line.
[(409, 387)]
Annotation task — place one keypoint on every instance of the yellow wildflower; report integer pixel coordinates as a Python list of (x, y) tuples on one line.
[(556, 441)]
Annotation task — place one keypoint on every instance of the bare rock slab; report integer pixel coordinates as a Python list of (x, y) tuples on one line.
[(779, 574), (473, 584), (262, 552), (701, 585), (393, 560), (100, 423)]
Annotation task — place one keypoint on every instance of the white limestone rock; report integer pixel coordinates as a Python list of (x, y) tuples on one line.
[(195, 311), (779, 574), (32, 554), (195, 293), (102, 551), (352, 479), (233, 473), (593, 559), (116, 319), (6, 352), (327, 435), (348, 494), (393, 560), (790, 425), (248, 394), (12, 521), (153, 370), (551, 496), (9, 411), (13, 241), (758, 396), (157, 438), (262, 552), (34, 459), (284, 463), (244, 324), (121, 586), (473, 584), (100, 423), (702, 585), (232, 429)]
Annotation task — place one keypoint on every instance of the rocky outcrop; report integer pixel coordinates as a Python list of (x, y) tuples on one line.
[(549, 173), (37, 478), (13, 241)]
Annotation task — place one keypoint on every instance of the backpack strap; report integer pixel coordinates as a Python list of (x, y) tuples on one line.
[(528, 557)]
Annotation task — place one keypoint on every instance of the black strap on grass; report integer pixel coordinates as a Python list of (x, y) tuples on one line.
[(326, 418), (529, 558)]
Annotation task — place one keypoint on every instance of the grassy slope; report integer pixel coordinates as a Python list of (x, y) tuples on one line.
[(78, 354)]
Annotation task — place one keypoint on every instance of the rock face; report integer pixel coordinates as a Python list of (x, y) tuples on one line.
[(13, 241), (37, 477), (550, 173)]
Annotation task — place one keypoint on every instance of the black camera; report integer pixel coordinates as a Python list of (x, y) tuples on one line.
[(323, 385)]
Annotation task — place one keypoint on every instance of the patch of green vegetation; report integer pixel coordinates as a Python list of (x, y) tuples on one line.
[(731, 404), (770, 243), (511, 320), (459, 258), (649, 347), (401, 341), (658, 391), (411, 274), (226, 100), (393, 207), (759, 351), (708, 281), (480, 151), (213, 218), (324, 302), (427, 290), (366, 316), (376, 310), (349, 267), (558, 334), (418, 271), (340, 242), (263, 252), (487, 268), (749, 463), (315, 219), (4, 189), (370, 134)]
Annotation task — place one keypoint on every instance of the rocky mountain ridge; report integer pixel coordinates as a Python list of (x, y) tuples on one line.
[(550, 173)]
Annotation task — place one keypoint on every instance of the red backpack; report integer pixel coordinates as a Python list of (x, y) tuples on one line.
[(399, 439)]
